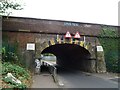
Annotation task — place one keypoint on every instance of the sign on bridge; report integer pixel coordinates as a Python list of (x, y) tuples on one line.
[(30, 46), (68, 35), (77, 35)]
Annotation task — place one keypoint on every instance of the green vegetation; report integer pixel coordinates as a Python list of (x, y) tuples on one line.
[(10, 64), (10, 50), (10, 59), (20, 73), (9, 56), (110, 45), (6, 6)]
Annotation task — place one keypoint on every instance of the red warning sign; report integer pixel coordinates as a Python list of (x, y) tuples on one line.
[(77, 35), (68, 35)]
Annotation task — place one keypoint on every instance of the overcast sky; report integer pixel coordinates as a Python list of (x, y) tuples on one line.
[(90, 11)]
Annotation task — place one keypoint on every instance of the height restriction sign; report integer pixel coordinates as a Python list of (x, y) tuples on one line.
[(77, 35), (68, 35)]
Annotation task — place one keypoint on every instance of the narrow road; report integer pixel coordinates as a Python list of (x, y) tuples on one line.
[(72, 79), (77, 79)]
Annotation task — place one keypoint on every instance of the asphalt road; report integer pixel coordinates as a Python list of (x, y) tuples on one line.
[(71, 79), (77, 79)]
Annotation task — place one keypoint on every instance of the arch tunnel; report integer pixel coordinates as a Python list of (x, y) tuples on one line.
[(70, 56)]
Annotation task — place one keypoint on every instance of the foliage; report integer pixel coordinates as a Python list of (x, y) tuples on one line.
[(14, 69), (6, 6), (110, 46), (10, 63), (9, 50), (13, 84), (9, 56), (17, 71), (109, 31)]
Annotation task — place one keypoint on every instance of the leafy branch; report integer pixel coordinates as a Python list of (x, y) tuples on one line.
[(6, 6)]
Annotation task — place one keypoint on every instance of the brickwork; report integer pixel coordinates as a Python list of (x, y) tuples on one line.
[(44, 34), (50, 26)]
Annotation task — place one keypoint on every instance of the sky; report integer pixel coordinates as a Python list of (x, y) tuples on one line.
[(88, 11)]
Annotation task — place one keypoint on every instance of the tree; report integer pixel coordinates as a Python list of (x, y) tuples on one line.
[(6, 7)]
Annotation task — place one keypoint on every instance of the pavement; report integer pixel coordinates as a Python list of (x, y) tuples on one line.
[(44, 80)]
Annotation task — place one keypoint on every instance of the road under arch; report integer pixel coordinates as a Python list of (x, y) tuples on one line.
[(70, 56)]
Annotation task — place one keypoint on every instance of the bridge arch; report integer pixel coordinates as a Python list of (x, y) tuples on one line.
[(53, 41), (71, 54)]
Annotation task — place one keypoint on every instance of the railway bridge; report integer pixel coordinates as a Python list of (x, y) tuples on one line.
[(30, 37)]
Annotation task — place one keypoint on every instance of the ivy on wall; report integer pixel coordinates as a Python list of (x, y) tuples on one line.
[(9, 50), (109, 40)]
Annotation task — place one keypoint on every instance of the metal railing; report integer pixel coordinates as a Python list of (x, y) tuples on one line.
[(52, 70)]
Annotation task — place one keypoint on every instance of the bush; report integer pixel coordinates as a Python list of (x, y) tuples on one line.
[(9, 56), (20, 73)]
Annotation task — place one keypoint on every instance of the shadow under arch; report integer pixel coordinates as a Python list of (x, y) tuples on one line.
[(70, 56)]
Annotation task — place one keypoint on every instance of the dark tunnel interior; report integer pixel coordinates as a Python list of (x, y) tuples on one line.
[(69, 55)]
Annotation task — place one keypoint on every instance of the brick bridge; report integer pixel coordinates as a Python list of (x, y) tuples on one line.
[(48, 37)]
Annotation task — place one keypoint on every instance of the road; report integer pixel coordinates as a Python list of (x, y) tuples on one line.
[(74, 79), (77, 79)]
